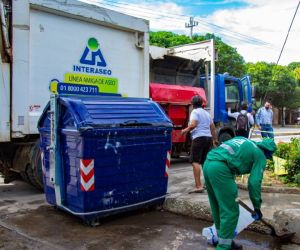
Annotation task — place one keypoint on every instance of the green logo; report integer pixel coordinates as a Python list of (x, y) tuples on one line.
[(93, 44), (92, 54)]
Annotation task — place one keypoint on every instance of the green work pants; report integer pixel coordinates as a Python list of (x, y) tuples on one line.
[(222, 194)]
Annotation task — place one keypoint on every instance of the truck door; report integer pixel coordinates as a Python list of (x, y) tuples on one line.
[(246, 89), (232, 95)]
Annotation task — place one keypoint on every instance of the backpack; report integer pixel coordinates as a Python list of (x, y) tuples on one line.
[(242, 122)]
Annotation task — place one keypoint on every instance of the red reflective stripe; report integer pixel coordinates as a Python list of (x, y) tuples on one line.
[(168, 163), (86, 162), (87, 177), (90, 189)]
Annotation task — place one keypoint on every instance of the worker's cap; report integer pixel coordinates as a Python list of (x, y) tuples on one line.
[(268, 146), (197, 101)]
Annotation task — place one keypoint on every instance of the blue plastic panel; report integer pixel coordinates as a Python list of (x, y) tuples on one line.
[(127, 139)]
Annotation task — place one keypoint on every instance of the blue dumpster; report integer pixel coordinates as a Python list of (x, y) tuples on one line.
[(115, 153)]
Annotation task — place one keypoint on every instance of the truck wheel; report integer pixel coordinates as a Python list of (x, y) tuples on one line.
[(225, 136), (24, 175), (27, 162)]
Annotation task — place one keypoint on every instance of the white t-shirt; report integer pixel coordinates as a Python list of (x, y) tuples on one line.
[(203, 119)]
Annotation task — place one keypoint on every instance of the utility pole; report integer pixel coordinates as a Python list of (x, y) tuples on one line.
[(191, 25)]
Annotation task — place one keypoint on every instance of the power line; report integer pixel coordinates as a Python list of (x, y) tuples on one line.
[(236, 35), (287, 35)]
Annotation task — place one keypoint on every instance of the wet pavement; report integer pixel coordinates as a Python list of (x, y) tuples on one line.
[(181, 181), (27, 222)]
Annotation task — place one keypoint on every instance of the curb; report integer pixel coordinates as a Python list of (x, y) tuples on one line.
[(268, 189), (198, 210), (201, 211)]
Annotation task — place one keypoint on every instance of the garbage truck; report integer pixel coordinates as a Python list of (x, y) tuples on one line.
[(178, 73), (45, 42), (76, 48)]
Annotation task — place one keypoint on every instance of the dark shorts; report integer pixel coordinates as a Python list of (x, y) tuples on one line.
[(200, 148)]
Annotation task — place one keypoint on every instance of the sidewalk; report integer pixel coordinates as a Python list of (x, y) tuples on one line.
[(196, 205), (281, 131)]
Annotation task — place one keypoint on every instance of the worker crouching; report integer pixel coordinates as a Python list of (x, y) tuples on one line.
[(237, 156)]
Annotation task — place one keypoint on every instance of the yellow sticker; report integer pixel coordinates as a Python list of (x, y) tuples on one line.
[(279, 164), (104, 84), (53, 86)]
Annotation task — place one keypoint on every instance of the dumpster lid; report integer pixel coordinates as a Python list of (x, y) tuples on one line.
[(111, 111)]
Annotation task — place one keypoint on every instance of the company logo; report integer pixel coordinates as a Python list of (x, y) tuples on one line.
[(92, 54), (92, 60)]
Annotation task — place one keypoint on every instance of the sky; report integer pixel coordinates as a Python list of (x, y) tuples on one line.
[(256, 28)]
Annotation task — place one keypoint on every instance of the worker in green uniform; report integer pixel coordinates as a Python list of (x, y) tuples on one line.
[(234, 157)]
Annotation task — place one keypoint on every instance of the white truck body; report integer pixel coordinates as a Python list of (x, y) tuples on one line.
[(50, 40)]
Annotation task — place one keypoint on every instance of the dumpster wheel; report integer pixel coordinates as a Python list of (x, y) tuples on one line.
[(93, 223)]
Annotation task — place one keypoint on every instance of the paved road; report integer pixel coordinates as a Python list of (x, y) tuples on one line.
[(27, 222), (282, 134)]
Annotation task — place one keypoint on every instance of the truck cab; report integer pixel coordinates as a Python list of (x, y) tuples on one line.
[(230, 92), (179, 73)]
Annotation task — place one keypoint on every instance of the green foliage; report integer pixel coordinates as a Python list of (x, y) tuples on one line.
[(294, 99), (295, 68), (296, 72), (270, 165), (282, 87), (261, 77), (273, 82), (290, 152), (294, 65), (229, 59), (168, 39)]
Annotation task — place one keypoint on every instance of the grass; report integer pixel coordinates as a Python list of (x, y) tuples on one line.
[(270, 179)]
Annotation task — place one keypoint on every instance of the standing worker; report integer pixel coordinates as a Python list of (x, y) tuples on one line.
[(203, 134), (264, 118), (237, 156), (244, 120)]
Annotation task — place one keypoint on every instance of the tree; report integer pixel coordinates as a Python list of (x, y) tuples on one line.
[(168, 39), (283, 87), (229, 60), (273, 82), (294, 65), (296, 72), (261, 78)]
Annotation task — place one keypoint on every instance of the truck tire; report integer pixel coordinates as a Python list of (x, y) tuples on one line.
[(27, 162), (225, 136), (34, 172)]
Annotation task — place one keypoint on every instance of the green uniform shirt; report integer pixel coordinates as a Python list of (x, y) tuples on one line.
[(243, 156)]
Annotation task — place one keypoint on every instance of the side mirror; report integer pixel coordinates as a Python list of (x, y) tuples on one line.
[(253, 91)]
